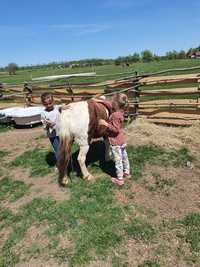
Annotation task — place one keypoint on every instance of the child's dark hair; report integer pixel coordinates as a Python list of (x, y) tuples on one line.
[(46, 95), (120, 101)]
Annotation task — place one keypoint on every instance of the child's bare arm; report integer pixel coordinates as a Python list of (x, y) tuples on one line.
[(103, 122)]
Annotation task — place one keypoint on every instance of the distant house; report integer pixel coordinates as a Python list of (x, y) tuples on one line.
[(74, 66), (195, 55)]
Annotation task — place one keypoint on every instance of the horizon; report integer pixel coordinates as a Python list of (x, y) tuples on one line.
[(44, 32), (82, 59)]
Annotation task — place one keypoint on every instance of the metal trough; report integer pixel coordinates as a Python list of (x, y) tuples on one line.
[(29, 120)]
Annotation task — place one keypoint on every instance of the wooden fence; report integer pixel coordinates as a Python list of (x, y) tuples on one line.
[(174, 106)]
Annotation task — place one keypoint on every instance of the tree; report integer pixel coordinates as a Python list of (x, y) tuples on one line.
[(156, 57), (135, 57), (182, 54), (147, 55), (12, 68), (172, 54)]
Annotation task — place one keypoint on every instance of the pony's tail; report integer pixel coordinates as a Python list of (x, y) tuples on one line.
[(64, 156)]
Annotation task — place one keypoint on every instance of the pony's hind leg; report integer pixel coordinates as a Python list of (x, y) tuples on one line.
[(64, 181), (108, 154), (63, 160), (81, 159)]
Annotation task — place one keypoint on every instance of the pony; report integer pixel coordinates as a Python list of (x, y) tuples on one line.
[(79, 123)]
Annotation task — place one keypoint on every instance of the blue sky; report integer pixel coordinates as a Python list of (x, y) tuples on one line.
[(42, 31)]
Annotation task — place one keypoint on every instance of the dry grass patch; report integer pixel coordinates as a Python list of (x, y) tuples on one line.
[(141, 132)]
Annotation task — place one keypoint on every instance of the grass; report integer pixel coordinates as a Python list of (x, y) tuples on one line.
[(36, 161), (92, 216), (109, 70), (149, 263), (191, 222), (3, 153), (140, 229), (4, 128), (12, 190), (141, 155), (161, 184), (8, 259), (93, 222)]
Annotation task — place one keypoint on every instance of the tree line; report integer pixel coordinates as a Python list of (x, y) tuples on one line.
[(144, 56), (147, 56)]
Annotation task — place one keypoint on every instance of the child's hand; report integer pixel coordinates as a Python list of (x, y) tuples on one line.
[(103, 123), (64, 107), (49, 124)]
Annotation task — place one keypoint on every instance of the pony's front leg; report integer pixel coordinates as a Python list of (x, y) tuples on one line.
[(81, 159)]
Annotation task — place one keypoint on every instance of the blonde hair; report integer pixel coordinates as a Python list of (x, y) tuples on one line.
[(120, 101)]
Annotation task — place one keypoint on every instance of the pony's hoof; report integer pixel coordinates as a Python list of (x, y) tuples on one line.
[(90, 177), (65, 181)]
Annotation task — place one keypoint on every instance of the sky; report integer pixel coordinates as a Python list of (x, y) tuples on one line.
[(43, 31)]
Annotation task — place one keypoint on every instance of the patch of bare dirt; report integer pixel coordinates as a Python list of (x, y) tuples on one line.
[(19, 137), (164, 251), (181, 198), (18, 141), (41, 187), (41, 263), (99, 264), (4, 234), (34, 235)]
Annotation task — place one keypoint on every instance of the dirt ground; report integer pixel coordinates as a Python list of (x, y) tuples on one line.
[(17, 142)]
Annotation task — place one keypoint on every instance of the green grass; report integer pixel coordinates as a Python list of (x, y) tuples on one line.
[(119, 262), (35, 160), (3, 154), (23, 75), (100, 219), (93, 221), (4, 128), (140, 229), (161, 184), (92, 217), (139, 156), (8, 258), (191, 223), (149, 263), (12, 189)]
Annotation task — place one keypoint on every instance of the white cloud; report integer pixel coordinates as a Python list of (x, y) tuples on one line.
[(125, 3), (80, 29), (75, 29), (118, 3)]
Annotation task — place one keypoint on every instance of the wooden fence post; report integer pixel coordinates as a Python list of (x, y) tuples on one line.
[(198, 81), (137, 99)]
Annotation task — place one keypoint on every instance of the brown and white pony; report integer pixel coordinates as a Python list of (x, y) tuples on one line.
[(79, 123)]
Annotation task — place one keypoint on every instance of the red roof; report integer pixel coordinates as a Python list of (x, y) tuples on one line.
[(197, 53)]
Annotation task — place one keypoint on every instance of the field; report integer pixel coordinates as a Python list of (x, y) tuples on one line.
[(109, 70), (152, 221)]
